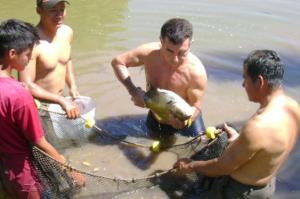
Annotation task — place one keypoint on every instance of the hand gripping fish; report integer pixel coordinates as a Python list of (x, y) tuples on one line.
[(164, 102)]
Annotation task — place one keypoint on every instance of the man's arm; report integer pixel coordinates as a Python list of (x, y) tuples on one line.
[(70, 74), (120, 65), (195, 92), (50, 150), (242, 149), (70, 80)]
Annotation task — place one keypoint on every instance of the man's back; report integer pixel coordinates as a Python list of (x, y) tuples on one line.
[(271, 134)]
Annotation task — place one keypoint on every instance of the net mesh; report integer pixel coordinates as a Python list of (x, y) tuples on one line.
[(59, 180), (60, 131)]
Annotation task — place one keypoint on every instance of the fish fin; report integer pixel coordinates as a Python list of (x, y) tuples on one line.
[(151, 87), (157, 116), (189, 122)]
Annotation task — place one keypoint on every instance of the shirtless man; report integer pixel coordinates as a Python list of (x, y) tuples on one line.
[(249, 165), (50, 68), (170, 65)]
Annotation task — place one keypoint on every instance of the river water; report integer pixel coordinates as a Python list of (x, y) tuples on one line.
[(224, 33)]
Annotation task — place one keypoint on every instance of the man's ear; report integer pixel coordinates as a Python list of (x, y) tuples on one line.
[(161, 40), (38, 10), (8, 56), (11, 53), (261, 81)]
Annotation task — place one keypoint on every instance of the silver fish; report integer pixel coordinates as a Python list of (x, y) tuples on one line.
[(164, 102)]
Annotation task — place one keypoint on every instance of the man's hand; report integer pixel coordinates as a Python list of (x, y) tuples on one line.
[(137, 96), (175, 122), (74, 93), (78, 178), (71, 109), (183, 166), (232, 133)]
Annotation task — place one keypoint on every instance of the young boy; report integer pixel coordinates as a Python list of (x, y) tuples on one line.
[(19, 120)]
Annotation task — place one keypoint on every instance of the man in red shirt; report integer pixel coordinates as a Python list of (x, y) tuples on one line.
[(20, 126)]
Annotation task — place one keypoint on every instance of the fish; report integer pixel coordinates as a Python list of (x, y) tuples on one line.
[(163, 102)]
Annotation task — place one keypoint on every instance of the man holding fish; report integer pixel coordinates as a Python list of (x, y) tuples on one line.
[(172, 72)]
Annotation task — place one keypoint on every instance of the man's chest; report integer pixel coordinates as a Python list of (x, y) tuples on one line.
[(53, 54), (159, 77)]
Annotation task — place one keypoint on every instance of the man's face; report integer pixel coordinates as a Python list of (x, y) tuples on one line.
[(250, 86), (173, 54), (54, 16), (20, 60)]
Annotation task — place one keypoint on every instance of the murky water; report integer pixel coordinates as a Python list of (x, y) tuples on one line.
[(224, 33)]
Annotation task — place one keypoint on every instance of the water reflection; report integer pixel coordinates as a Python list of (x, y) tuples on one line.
[(96, 22)]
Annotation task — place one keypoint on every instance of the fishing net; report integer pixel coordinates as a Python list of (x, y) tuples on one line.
[(59, 180), (63, 132)]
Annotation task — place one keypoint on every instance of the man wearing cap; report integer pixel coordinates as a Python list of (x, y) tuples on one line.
[(50, 68)]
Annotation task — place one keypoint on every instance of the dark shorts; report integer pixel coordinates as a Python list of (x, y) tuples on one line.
[(157, 128), (227, 188)]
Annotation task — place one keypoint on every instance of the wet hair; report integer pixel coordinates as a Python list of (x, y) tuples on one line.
[(18, 35), (177, 30), (267, 64)]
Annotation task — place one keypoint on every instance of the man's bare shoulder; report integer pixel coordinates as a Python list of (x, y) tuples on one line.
[(40, 48), (65, 31), (274, 121), (195, 62), (196, 67), (149, 47), (293, 104), (144, 50), (292, 109), (284, 107), (66, 28), (263, 122)]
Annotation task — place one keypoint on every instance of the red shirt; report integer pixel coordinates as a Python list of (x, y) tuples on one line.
[(19, 119), (19, 126)]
